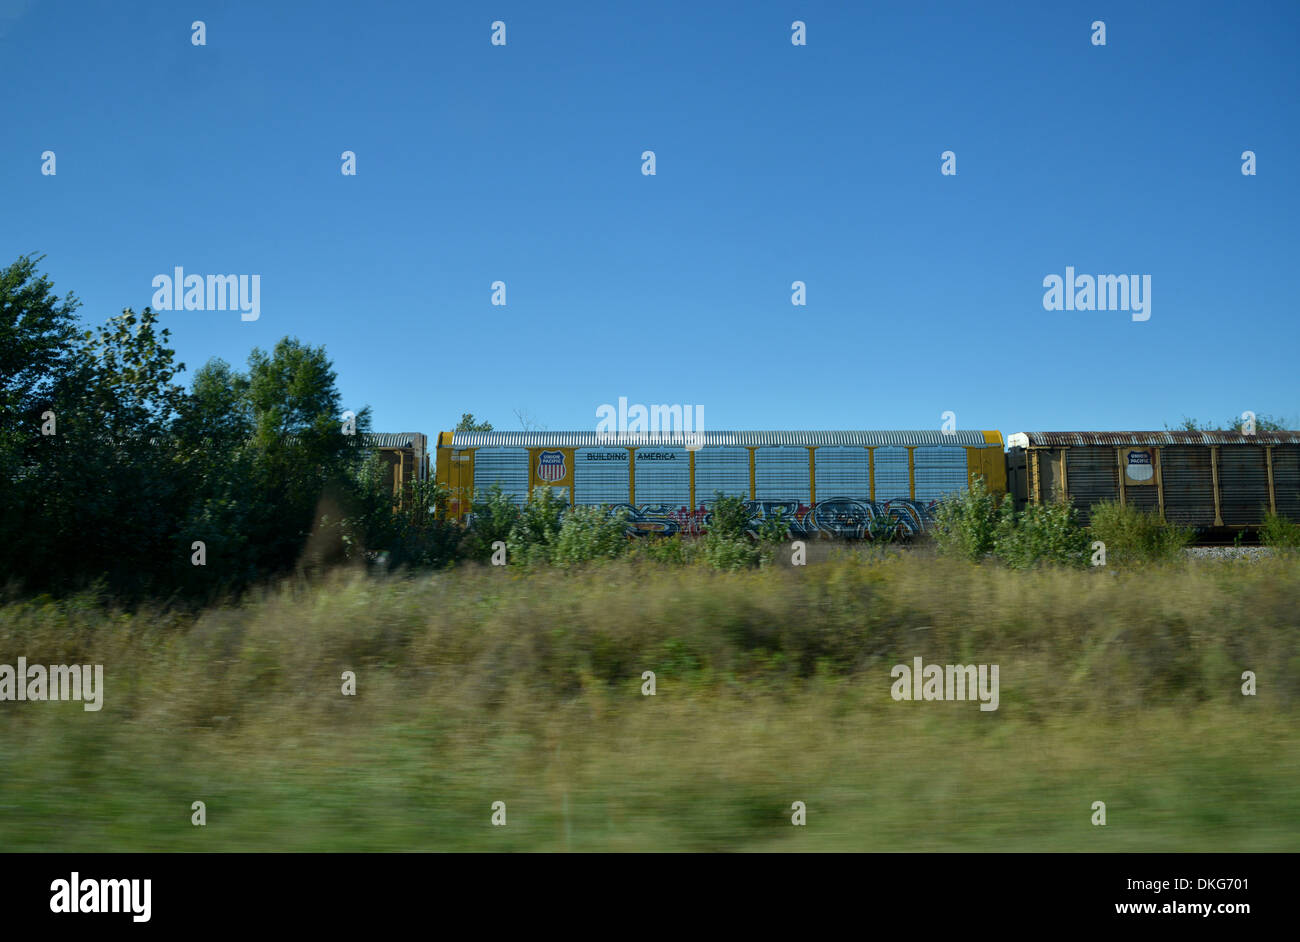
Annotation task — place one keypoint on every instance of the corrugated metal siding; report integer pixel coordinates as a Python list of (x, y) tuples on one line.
[(842, 472), (782, 474), (1018, 476), (582, 439), (663, 476), (891, 474), (1091, 475), (600, 476), (720, 469), (1143, 498), (393, 439), (1049, 478), (1243, 476), (507, 466), (1189, 485), (1286, 481), (939, 472)]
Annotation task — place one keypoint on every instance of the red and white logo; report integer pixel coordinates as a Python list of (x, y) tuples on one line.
[(550, 466)]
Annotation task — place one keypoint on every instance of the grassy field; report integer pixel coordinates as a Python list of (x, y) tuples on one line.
[(773, 686)]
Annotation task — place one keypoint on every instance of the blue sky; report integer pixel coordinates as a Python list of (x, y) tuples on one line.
[(775, 163)]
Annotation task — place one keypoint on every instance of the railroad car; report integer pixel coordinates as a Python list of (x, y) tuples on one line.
[(1218, 482), (832, 483), (844, 483)]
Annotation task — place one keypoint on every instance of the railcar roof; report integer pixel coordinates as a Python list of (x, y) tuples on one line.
[(591, 439), (1166, 438)]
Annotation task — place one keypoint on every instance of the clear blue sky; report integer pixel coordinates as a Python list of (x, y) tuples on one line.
[(775, 163)]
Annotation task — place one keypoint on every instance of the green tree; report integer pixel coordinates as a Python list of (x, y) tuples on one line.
[(467, 423), (1263, 423), (97, 498), (38, 341)]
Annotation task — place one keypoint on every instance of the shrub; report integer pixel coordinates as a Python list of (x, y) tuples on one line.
[(774, 529), (966, 524), (729, 553), (1041, 533), (1133, 535), (727, 544), (883, 529), (494, 517), (668, 550), (532, 538), (418, 532), (589, 533), (1279, 533), (729, 517)]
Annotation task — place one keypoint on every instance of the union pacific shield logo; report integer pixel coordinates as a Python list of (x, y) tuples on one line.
[(1139, 468), (550, 466)]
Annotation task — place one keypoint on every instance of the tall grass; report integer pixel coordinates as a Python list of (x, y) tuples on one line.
[(524, 686), (1280, 533), (1132, 535)]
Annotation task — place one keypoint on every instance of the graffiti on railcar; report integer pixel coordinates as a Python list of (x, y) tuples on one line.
[(836, 517)]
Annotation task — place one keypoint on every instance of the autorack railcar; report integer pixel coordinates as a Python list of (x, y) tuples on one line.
[(1221, 482), (833, 483), (839, 483)]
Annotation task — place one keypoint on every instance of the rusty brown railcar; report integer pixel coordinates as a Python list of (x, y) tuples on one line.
[(1218, 482)]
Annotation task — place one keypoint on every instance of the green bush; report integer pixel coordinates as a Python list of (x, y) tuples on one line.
[(729, 517), (1280, 533), (774, 529), (883, 529), (1041, 533), (666, 550), (966, 524), (1132, 535), (729, 553), (494, 517), (533, 536), (416, 531), (727, 545), (589, 533)]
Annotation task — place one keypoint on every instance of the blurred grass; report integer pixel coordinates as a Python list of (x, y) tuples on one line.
[(481, 685)]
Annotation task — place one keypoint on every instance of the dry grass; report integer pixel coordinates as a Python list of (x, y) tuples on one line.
[(773, 686)]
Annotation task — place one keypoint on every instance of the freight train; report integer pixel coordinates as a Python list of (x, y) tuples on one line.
[(858, 483)]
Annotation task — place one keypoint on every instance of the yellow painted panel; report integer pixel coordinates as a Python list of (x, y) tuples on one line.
[(995, 469)]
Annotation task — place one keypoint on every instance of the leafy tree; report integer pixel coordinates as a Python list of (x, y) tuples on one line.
[(1263, 423), (282, 478), (38, 340), (96, 498), (467, 423)]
